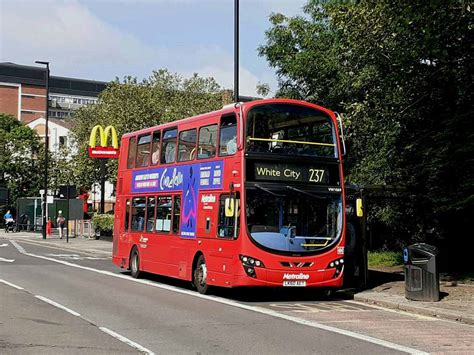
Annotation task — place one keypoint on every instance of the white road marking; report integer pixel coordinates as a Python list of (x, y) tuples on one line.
[(12, 285), (7, 260), (256, 309), (3, 245), (66, 256), (55, 304), (76, 257), (87, 252), (126, 341), (18, 247), (399, 311)]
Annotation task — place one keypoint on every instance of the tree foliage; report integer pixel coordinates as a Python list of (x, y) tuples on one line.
[(130, 105), (21, 157), (402, 74)]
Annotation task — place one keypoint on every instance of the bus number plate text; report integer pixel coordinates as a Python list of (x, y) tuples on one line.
[(294, 283)]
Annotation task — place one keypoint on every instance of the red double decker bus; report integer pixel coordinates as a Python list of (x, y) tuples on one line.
[(250, 195)]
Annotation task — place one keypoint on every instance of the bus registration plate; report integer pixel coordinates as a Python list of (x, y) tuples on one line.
[(294, 283)]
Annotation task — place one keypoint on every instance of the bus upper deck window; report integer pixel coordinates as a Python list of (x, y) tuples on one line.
[(168, 150), (228, 136), (143, 151), (132, 149), (155, 155), (207, 142), (187, 145)]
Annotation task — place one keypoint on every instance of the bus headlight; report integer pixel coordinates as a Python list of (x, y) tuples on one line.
[(335, 263), (249, 264), (338, 264), (249, 261)]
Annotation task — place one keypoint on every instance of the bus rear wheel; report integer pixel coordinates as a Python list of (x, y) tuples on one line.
[(135, 263), (200, 276)]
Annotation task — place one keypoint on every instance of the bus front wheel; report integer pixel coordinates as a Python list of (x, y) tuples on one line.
[(135, 263), (200, 276)]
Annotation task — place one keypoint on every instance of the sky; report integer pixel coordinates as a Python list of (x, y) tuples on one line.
[(105, 39)]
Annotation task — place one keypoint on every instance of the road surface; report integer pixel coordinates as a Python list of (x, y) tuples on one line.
[(56, 300)]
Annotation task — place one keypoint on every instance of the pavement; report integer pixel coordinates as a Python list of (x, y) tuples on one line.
[(387, 288), (102, 246), (456, 304)]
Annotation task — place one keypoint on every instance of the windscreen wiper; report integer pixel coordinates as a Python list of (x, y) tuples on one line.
[(306, 193), (267, 191)]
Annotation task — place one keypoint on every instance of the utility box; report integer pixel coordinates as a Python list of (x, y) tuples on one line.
[(421, 272)]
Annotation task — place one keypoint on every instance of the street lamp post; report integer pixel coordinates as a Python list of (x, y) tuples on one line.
[(46, 144), (236, 50)]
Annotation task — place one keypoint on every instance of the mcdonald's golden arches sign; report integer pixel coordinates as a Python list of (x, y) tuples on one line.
[(103, 150)]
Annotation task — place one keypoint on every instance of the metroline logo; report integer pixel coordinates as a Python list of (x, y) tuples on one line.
[(299, 276)]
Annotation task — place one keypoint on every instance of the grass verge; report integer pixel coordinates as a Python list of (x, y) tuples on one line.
[(385, 258)]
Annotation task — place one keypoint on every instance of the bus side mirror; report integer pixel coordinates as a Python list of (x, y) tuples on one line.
[(359, 208), (229, 207)]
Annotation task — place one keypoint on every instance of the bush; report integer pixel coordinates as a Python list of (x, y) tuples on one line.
[(103, 222)]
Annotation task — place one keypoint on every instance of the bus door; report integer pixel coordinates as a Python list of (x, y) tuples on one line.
[(228, 221), (162, 238), (137, 227)]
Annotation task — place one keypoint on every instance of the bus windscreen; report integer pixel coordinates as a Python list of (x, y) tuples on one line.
[(284, 220), (286, 129)]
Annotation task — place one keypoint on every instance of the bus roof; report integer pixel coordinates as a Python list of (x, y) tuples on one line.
[(233, 107)]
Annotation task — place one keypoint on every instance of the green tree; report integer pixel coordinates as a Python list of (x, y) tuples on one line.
[(21, 152), (130, 105), (402, 74)]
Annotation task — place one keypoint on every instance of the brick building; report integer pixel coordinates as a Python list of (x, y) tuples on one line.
[(23, 93)]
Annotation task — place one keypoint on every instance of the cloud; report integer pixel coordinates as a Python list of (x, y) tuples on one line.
[(218, 63), (65, 33), (80, 44)]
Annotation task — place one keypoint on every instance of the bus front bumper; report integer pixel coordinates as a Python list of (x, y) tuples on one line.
[(291, 278)]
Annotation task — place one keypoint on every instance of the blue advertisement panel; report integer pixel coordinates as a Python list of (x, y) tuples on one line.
[(189, 179), (190, 197)]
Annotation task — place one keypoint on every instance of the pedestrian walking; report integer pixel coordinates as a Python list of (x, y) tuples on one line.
[(8, 221), (60, 221)]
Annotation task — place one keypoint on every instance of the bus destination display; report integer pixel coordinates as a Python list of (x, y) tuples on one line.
[(294, 173)]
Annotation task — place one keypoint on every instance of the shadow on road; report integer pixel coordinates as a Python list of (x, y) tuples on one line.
[(258, 294)]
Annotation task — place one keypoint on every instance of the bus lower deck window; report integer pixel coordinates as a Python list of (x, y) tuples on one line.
[(176, 213), (138, 214), (163, 214)]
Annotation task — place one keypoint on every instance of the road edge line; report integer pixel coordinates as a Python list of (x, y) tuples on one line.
[(12, 285), (57, 305), (126, 341)]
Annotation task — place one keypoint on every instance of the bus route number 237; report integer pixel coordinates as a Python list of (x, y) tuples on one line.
[(316, 175)]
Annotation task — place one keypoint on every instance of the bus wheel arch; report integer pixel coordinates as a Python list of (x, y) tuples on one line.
[(199, 276), (134, 262)]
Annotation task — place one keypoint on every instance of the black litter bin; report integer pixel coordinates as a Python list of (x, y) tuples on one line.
[(421, 272)]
